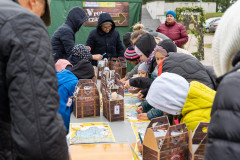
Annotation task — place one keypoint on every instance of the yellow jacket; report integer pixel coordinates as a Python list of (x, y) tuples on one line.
[(198, 105)]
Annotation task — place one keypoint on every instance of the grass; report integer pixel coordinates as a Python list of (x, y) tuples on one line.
[(208, 34), (210, 15), (208, 45)]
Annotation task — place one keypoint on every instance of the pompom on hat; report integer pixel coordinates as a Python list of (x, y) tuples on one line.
[(226, 40), (130, 54), (171, 12)]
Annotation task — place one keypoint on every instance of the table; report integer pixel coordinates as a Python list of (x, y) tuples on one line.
[(122, 130), (101, 151)]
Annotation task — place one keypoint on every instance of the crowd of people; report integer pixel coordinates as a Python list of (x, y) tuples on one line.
[(38, 75)]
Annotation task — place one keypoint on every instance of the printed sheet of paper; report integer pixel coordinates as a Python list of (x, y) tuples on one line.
[(130, 113), (131, 100), (126, 93), (139, 127), (97, 132), (136, 155)]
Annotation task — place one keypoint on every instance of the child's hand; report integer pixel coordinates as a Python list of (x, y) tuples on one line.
[(123, 79), (126, 85), (89, 48), (142, 116), (140, 96), (140, 147), (97, 57), (134, 91), (139, 109)]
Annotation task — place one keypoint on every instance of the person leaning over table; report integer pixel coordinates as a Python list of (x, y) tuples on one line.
[(30, 127), (105, 39), (175, 31), (63, 39)]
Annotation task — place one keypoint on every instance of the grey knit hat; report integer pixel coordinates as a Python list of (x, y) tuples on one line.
[(143, 67)]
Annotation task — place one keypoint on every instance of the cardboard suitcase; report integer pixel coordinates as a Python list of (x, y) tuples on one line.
[(110, 78), (167, 142), (86, 99), (200, 137), (115, 64), (101, 65), (113, 110)]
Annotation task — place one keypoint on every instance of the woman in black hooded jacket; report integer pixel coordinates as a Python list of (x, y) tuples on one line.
[(63, 39), (105, 40)]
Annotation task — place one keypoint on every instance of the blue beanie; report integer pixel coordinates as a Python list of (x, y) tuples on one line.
[(171, 12)]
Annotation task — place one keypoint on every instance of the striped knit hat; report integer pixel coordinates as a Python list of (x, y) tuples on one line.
[(130, 54)]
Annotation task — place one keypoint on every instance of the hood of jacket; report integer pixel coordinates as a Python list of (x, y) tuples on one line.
[(83, 70), (146, 44), (168, 93), (105, 17), (65, 76), (197, 107), (75, 18)]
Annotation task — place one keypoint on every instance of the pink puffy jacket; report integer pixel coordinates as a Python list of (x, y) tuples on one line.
[(175, 31)]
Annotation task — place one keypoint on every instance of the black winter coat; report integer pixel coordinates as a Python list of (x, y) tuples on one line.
[(101, 42), (30, 127), (184, 65), (223, 131), (63, 39), (188, 67)]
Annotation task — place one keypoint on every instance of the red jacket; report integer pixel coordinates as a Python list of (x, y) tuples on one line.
[(175, 31)]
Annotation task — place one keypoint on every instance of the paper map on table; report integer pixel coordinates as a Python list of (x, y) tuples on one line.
[(134, 153), (97, 132), (126, 93), (132, 100), (138, 153), (131, 114), (139, 127)]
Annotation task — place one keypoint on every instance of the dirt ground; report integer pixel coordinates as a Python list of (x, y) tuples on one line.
[(191, 46)]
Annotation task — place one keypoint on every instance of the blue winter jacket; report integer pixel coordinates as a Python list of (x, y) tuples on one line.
[(63, 39), (66, 85), (101, 42)]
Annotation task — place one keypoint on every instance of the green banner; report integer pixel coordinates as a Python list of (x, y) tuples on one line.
[(60, 9)]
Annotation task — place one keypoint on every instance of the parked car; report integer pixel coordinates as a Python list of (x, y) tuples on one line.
[(209, 21), (213, 26)]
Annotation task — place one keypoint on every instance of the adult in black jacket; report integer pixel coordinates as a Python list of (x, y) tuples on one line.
[(30, 127), (182, 64), (105, 39), (63, 39), (223, 130)]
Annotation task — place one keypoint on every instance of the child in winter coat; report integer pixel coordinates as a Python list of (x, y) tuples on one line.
[(66, 86), (192, 101), (142, 72), (132, 58), (145, 110)]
